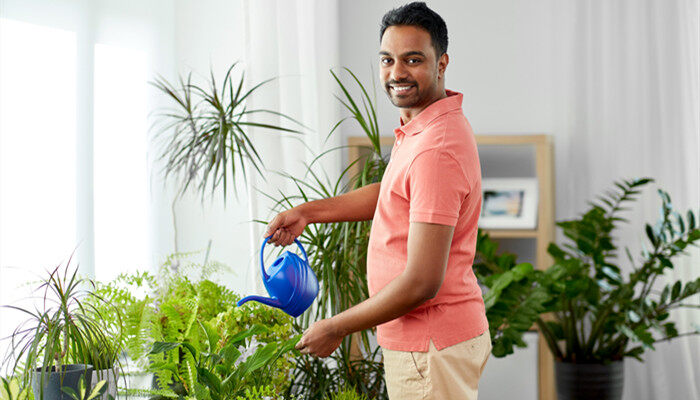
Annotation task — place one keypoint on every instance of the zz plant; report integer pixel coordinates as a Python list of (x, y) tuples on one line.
[(599, 314), (586, 309)]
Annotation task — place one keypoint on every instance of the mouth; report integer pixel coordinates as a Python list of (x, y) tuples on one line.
[(401, 89)]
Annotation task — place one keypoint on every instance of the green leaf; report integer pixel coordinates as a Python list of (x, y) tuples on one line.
[(670, 330), (662, 316), (162, 347), (650, 234), (645, 336), (676, 290), (70, 392), (209, 379), (691, 220), (612, 274), (252, 331), (635, 352), (98, 390), (259, 359), (633, 316)]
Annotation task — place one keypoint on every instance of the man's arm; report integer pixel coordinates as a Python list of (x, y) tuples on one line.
[(358, 205), (428, 250)]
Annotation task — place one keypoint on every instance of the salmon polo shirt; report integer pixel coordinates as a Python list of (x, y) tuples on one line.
[(433, 176)]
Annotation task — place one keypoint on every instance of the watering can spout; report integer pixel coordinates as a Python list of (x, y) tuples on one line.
[(272, 302)]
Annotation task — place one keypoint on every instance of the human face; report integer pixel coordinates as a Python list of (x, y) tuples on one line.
[(411, 75)]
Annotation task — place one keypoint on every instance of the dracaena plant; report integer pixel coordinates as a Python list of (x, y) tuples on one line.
[(207, 135), (338, 252), (65, 328), (599, 313)]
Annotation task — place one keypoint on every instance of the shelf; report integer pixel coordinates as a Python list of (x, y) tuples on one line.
[(511, 233)]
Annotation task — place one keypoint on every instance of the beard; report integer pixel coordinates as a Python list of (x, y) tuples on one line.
[(412, 98)]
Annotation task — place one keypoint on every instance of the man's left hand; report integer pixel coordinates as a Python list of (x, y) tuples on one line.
[(321, 339)]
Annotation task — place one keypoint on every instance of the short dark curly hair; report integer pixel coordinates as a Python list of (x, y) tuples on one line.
[(418, 14)]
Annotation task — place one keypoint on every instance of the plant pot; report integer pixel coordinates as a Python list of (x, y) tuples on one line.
[(112, 378), (53, 381), (589, 381)]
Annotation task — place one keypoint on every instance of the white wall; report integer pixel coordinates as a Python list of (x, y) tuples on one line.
[(517, 63), (501, 60), (209, 34)]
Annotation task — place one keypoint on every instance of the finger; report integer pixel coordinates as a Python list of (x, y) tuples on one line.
[(276, 237), (288, 238), (273, 225)]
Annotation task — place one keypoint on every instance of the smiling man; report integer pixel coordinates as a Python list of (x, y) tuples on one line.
[(424, 298)]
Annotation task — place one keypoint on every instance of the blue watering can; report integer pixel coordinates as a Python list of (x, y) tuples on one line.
[(291, 282)]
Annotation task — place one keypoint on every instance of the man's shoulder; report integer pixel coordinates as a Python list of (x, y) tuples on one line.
[(450, 132)]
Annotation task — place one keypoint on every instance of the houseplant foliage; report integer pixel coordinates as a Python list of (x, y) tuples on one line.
[(599, 315), (215, 370), (512, 296), (67, 332), (182, 326), (337, 253), (206, 133)]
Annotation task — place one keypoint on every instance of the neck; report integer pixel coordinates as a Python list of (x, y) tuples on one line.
[(407, 114)]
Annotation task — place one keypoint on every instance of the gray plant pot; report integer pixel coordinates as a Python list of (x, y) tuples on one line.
[(53, 381), (589, 381)]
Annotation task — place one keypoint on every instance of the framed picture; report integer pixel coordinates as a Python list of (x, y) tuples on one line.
[(508, 203)]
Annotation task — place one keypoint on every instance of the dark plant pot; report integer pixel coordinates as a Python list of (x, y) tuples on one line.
[(589, 381), (53, 381)]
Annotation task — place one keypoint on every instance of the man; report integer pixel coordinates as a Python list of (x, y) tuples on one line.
[(424, 297)]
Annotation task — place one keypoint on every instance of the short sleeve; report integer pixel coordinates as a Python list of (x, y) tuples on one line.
[(436, 186)]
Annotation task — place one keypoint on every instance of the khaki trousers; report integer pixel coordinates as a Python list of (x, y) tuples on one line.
[(449, 374)]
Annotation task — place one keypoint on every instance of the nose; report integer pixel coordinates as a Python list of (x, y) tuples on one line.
[(399, 72)]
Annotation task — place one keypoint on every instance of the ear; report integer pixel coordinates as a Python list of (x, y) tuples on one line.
[(442, 65)]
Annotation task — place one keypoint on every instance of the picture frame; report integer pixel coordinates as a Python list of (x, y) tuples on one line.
[(509, 203)]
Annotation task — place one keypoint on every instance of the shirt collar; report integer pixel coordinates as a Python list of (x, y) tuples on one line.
[(452, 102)]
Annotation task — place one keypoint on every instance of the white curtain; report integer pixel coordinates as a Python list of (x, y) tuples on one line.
[(296, 41), (628, 91)]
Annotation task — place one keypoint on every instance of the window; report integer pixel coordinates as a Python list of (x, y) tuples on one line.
[(120, 163), (37, 156)]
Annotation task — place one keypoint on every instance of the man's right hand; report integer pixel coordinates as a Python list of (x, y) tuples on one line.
[(286, 226)]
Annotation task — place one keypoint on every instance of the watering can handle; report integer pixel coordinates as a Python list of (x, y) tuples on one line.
[(262, 262)]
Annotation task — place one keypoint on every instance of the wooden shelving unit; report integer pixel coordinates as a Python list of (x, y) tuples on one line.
[(543, 234)]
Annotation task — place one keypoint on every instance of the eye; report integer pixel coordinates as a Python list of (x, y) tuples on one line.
[(385, 61), (414, 60)]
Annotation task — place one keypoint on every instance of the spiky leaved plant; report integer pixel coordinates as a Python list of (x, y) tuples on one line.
[(66, 328), (338, 252), (206, 133)]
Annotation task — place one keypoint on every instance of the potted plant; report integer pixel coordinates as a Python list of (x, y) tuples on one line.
[(182, 303), (54, 347), (337, 253), (591, 317), (513, 299), (598, 317), (206, 134)]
